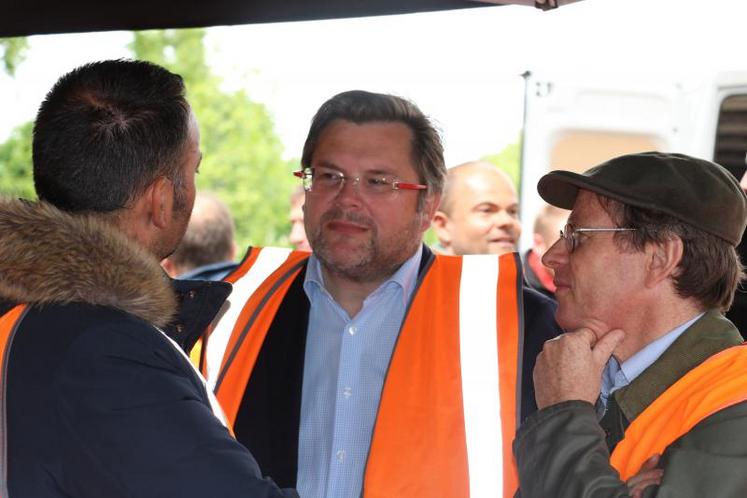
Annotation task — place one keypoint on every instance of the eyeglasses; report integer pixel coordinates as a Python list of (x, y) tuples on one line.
[(330, 181), (570, 234)]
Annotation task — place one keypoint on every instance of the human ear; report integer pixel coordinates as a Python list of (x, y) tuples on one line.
[(161, 196), (439, 223), (662, 259)]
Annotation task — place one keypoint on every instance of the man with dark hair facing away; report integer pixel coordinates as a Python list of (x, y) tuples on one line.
[(650, 375), (372, 366), (98, 399)]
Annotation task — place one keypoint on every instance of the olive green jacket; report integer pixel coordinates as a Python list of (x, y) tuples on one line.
[(563, 451)]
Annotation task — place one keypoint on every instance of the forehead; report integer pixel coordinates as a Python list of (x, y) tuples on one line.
[(588, 209), (484, 186), (375, 146)]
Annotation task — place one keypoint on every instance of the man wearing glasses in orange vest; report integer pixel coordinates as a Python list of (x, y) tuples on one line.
[(96, 399), (373, 367), (650, 376)]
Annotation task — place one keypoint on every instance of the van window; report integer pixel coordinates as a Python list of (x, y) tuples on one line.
[(731, 134)]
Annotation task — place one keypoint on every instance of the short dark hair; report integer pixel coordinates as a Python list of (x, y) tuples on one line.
[(358, 106), (106, 131), (710, 270), (209, 237)]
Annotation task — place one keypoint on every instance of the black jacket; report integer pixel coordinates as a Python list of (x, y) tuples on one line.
[(98, 402)]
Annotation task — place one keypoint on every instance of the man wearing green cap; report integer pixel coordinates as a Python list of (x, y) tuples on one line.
[(650, 376)]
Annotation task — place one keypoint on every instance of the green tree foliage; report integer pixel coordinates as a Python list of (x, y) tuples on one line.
[(15, 164), (13, 51), (508, 160), (15, 152), (241, 151)]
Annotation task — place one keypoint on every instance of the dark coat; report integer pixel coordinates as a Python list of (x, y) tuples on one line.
[(99, 403), (268, 419)]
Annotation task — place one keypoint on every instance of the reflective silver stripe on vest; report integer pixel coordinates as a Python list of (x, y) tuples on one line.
[(269, 260), (478, 293)]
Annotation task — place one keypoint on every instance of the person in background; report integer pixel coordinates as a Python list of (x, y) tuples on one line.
[(479, 211), (208, 249), (547, 227), (98, 399), (342, 370), (651, 375), (297, 236)]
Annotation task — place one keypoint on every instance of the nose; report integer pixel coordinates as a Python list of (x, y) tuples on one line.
[(349, 190), (503, 223), (556, 255)]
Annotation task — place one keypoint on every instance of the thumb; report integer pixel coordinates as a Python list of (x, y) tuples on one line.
[(604, 347)]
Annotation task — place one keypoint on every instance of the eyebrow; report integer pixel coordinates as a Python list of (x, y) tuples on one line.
[(374, 171)]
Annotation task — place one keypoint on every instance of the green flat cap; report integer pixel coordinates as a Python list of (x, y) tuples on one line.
[(698, 192)]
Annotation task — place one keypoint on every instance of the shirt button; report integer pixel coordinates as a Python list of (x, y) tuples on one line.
[(340, 456), (352, 330), (192, 294), (179, 328), (347, 392)]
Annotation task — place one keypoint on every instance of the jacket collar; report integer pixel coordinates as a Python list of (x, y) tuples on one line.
[(49, 256), (707, 336)]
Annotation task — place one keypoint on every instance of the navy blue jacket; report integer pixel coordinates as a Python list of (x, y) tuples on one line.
[(98, 401)]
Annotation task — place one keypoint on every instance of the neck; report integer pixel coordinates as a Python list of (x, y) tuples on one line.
[(348, 293), (644, 327)]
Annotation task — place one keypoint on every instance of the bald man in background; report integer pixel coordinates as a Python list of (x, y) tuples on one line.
[(479, 211)]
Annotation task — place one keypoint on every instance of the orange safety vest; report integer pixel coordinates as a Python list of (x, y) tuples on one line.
[(8, 325), (717, 383), (448, 410)]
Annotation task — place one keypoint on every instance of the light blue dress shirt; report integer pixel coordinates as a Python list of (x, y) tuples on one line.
[(616, 375), (346, 361)]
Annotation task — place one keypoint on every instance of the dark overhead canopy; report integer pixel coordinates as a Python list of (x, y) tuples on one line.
[(27, 17)]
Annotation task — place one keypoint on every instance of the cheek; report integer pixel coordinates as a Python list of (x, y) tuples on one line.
[(479, 223)]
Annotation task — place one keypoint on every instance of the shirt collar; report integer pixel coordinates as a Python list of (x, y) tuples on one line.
[(640, 361), (618, 375), (405, 277)]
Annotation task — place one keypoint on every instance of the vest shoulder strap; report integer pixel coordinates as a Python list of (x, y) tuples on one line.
[(717, 383), (260, 284)]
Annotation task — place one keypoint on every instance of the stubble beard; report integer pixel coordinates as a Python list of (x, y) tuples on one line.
[(371, 259)]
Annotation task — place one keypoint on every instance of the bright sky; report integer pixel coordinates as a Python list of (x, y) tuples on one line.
[(460, 67)]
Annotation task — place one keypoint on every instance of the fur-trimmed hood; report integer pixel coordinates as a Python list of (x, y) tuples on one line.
[(49, 256)]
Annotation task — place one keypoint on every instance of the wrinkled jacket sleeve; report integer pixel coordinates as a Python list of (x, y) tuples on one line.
[(135, 423), (561, 452)]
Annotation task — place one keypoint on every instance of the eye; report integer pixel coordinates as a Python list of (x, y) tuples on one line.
[(485, 209), (378, 182), (327, 177)]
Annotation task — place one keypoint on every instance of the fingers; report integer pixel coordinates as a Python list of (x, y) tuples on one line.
[(638, 484), (649, 475), (604, 347), (651, 463), (587, 334)]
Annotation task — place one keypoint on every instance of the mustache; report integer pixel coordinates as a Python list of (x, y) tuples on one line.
[(337, 214)]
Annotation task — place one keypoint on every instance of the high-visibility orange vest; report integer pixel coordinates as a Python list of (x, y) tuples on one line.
[(448, 410), (8, 325), (717, 383)]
